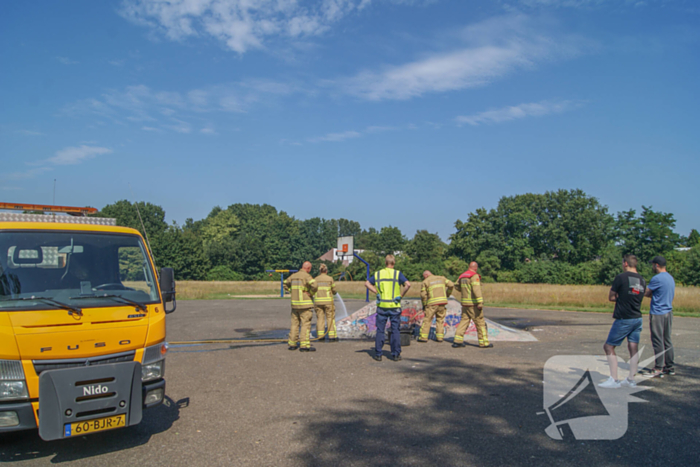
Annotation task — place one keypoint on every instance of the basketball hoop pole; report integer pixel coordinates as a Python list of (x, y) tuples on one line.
[(281, 271), (366, 264)]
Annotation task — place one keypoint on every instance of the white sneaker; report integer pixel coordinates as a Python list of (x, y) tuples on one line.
[(610, 383), (629, 383)]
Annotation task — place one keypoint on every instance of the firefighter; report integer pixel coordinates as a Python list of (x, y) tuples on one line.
[(434, 293), (390, 286), (303, 287), (325, 308), (469, 285)]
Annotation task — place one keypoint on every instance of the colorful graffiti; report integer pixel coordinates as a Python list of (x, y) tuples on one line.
[(363, 323)]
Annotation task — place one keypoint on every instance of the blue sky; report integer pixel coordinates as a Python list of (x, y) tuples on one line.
[(322, 107)]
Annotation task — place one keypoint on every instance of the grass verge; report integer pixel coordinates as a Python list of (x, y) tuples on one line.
[(588, 298)]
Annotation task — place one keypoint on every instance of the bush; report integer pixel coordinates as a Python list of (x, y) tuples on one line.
[(224, 273), (690, 272), (506, 276)]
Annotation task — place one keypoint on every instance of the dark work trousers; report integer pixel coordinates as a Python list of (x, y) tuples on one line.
[(394, 315), (660, 326)]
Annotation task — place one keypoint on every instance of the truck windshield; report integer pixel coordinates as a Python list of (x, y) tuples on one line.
[(73, 268)]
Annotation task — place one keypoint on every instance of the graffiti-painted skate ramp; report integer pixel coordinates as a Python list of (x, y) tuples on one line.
[(363, 323)]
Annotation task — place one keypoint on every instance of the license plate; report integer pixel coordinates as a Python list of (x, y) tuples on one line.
[(93, 426)]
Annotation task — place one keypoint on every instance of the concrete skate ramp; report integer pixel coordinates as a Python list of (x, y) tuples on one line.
[(363, 323)]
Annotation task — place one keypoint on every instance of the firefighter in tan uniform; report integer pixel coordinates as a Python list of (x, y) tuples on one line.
[(303, 287), (434, 293), (325, 308), (469, 285)]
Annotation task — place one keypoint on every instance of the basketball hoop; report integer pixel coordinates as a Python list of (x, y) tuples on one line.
[(346, 247)]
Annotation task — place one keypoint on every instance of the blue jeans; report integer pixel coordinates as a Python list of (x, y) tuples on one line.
[(621, 328), (394, 315)]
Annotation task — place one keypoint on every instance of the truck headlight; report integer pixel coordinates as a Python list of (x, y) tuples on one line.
[(153, 362), (152, 371), (12, 383), (13, 390)]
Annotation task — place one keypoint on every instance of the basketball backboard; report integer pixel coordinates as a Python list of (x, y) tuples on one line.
[(346, 246)]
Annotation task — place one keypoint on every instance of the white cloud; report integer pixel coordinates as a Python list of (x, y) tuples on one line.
[(66, 61), (29, 133), (242, 24), (140, 103), (117, 62), (335, 137), (150, 128), (379, 129), (583, 3), (208, 131), (491, 49), (535, 109), (27, 174), (77, 154), (179, 126)]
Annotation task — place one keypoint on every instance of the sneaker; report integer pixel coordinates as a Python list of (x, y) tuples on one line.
[(307, 349), (609, 383), (669, 371), (396, 358), (377, 357), (628, 383), (655, 373)]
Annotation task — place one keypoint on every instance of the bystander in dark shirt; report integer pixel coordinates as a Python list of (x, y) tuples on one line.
[(630, 287)]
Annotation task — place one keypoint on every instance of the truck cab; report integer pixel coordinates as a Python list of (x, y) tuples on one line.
[(82, 324)]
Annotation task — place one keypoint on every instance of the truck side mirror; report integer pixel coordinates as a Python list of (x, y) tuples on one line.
[(167, 288)]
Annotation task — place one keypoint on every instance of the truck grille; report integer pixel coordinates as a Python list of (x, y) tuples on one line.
[(44, 365)]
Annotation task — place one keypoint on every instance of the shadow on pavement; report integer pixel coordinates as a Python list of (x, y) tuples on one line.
[(26, 445), (471, 414)]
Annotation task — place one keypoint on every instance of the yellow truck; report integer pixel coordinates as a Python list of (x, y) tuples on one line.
[(82, 323)]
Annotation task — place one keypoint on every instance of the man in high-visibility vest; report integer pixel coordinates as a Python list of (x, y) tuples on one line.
[(469, 285), (325, 308), (303, 287), (390, 286), (434, 293)]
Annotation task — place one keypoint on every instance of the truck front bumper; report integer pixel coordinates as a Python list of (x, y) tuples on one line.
[(24, 413)]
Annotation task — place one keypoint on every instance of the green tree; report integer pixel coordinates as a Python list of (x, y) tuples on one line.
[(127, 215), (426, 247), (182, 251), (648, 235), (219, 227), (693, 238), (389, 241), (489, 263), (565, 225)]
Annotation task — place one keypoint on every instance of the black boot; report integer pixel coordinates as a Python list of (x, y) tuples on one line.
[(459, 344), (307, 349)]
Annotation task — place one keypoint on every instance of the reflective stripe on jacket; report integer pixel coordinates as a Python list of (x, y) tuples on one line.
[(470, 288), (303, 287), (326, 289), (387, 284), (435, 290)]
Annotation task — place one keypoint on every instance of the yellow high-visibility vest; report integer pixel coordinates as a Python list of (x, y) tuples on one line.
[(387, 284)]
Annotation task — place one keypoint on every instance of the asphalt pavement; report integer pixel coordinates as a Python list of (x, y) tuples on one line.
[(260, 404)]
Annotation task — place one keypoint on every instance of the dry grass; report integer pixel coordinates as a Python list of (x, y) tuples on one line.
[(546, 296)]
